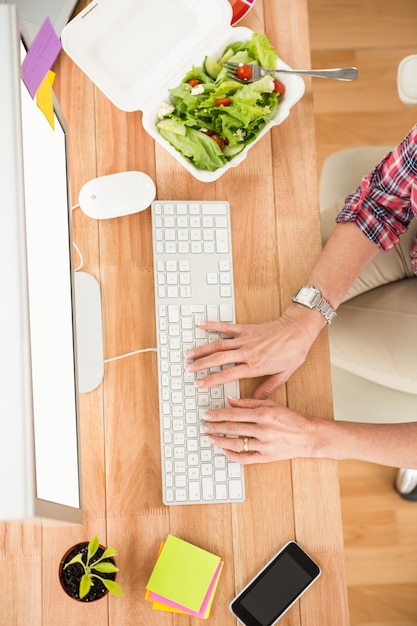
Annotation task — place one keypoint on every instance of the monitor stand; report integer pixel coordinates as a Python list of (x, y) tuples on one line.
[(89, 332)]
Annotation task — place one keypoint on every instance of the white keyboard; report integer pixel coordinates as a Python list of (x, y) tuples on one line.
[(193, 282)]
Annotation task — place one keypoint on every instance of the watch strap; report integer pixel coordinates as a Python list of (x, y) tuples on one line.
[(326, 310)]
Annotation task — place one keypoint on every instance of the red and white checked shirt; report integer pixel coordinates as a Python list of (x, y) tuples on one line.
[(386, 201)]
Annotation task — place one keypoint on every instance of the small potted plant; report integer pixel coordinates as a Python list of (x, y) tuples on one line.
[(87, 571)]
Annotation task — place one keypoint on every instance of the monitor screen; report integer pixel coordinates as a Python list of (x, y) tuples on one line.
[(50, 291), (50, 303)]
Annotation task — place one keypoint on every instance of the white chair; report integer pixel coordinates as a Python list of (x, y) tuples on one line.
[(365, 388), (407, 79)]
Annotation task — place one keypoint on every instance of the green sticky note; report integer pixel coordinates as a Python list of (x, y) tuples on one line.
[(183, 573)]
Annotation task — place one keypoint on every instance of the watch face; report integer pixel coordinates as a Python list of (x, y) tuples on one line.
[(307, 295), (312, 298)]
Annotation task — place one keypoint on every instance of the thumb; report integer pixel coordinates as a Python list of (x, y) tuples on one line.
[(267, 386), (249, 403)]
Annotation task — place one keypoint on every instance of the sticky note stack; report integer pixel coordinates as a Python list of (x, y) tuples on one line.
[(184, 579), (36, 68)]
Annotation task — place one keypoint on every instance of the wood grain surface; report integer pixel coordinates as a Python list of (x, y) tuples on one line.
[(275, 224)]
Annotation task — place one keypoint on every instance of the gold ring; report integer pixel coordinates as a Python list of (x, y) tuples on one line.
[(245, 444)]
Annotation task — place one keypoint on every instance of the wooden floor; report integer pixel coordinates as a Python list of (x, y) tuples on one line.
[(380, 528)]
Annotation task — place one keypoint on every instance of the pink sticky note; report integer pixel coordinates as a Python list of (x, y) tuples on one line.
[(40, 57), (206, 602)]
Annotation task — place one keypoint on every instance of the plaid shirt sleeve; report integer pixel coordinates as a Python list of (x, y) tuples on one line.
[(386, 201)]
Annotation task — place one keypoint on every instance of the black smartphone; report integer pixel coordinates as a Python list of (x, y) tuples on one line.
[(276, 587)]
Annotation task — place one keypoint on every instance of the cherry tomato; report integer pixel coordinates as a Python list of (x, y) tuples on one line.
[(244, 72), (219, 140), (223, 101), (279, 87), (193, 82)]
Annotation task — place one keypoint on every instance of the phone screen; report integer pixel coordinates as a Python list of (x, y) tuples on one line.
[(268, 596)]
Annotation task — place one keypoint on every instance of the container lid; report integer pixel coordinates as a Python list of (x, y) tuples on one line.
[(134, 50)]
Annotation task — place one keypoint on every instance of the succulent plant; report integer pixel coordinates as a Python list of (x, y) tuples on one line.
[(95, 567)]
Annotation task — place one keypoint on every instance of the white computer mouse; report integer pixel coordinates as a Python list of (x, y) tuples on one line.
[(117, 194)]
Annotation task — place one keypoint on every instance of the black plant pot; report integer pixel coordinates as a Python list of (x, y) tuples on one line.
[(71, 576)]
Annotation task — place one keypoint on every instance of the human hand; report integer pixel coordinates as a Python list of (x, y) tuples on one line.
[(272, 432), (274, 349)]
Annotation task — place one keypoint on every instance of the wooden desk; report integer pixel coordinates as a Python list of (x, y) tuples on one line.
[(275, 224)]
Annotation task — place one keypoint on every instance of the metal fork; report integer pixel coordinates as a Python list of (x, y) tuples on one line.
[(339, 73)]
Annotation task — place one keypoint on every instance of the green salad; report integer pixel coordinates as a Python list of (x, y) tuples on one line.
[(211, 118)]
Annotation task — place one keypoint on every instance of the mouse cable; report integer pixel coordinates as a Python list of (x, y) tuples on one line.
[(123, 356), (77, 269)]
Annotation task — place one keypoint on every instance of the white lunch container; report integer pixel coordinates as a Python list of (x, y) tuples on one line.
[(136, 50)]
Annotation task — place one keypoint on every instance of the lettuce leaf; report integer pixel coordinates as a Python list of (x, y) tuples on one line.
[(261, 49), (198, 147)]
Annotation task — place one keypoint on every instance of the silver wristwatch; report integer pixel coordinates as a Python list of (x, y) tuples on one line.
[(312, 298)]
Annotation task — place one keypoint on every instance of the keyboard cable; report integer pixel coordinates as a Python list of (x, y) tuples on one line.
[(121, 356)]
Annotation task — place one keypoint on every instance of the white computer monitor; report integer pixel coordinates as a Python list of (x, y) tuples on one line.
[(39, 428), (34, 12)]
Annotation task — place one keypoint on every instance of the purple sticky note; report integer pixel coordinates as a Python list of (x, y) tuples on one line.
[(40, 57)]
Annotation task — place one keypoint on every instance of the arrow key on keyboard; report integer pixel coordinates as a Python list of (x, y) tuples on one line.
[(235, 489), (221, 492), (194, 491), (226, 313), (207, 484)]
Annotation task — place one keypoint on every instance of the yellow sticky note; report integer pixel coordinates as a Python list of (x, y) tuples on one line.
[(44, 98), (158, 606), (183, 573)]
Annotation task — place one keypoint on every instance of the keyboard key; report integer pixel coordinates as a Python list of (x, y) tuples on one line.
[(212, 278), (193, 473), (220, 461), (225, 291), (235, 489), (192, 459), (220, 476), (179, 467), (226, 313), (214, 209), (207, 484), (180, 480), (192, 445), (194, 491), (234, 470), (180, 495), (208, 221), (206, 469), (209, 247), (168, 208), (222, 241), (221, 491), (225, 278), (221, 222)]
